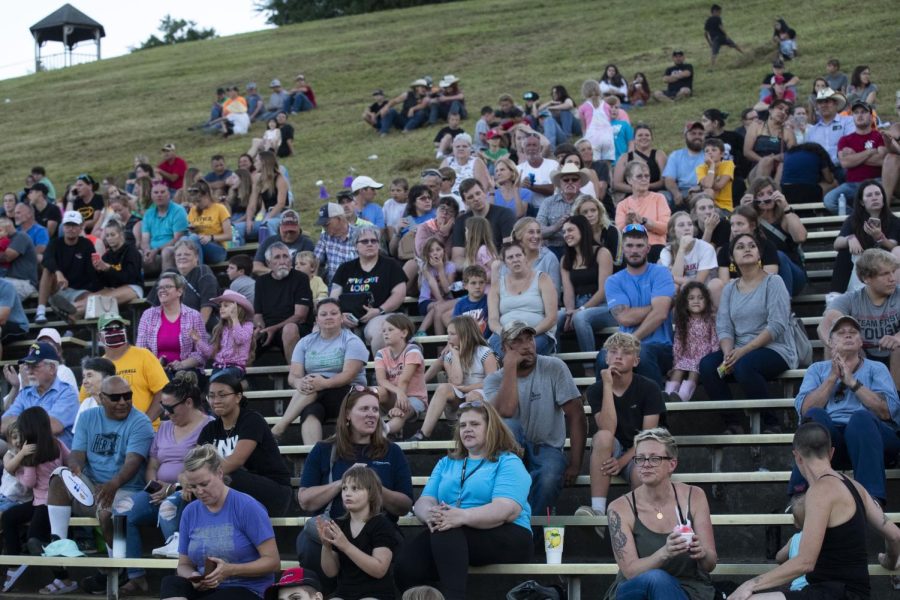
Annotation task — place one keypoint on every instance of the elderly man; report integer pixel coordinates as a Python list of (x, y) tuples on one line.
[(479, 204), (558, 207), (164, 224), (46, 212), (364, 190), (856, 400), (861, 154), (289, 234), (680, 174), (831, 126), (40, 237), (47, 390), (375, 282), (69, 275), (535, 171), (110, 455), (537, 397), (282, 302), (22, 271), (85, 199), (337, 242)]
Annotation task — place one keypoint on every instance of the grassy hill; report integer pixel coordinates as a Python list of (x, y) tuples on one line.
[(94, 118)]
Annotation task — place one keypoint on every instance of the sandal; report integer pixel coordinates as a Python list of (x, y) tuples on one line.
[(56, 587), (135, 587), (12, 575)]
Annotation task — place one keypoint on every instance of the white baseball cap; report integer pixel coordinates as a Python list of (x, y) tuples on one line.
[(74, 217), (364, 182)]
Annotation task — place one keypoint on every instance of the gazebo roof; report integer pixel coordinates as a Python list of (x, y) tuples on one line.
[(50, 28)]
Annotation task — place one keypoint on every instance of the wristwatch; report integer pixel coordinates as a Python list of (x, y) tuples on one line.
[(855, 387), (644, 221)]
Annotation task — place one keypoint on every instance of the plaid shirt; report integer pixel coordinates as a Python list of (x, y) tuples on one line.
[(552, 209), (148, 330), (333, 252)]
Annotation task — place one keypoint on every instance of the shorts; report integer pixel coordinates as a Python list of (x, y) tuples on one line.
[(618, 451), (423, 307), (138, 291), (327, 404), (24, 288), (418, 405), (71, 294), (717, 44), (175, 586), (122, 502)]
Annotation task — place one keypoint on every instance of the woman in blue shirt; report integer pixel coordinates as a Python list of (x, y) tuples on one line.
[(475, 507)]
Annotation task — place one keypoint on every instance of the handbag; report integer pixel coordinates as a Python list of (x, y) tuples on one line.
[(100, 305), (797, 332), (532, 590), (406, 250)]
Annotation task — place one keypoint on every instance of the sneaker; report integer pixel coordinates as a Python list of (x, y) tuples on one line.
[(40, 316), (170, 549), (420, 333), (61, 305), (587, 511), (417, 437), (94, 584)]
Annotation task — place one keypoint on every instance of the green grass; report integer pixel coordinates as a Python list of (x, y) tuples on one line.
[(95, 117)]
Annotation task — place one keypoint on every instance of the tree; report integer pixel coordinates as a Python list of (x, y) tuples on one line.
[(176, 31), (285, 12)]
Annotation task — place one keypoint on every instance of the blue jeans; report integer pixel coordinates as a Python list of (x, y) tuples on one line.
[(794, 276), (554, 133), (268, 114), (863, 443), (210, 253), (442, 109), (245, 236), (753, 372), (848, 189), (586, 323), (297, 102), (546, 465), (167, 514), (655, 363), (545, 344), (392, 119), (654, 584), (570, 125), (418, 119)]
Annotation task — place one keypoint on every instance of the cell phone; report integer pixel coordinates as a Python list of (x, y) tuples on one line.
[(152, 487), (352, 318), (874, 222)]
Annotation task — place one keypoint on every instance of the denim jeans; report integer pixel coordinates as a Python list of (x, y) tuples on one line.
[(570, 125), (794, 276), (245, 236), (210, 253), (654, 584), (586, 323), (392, 119), (863, 442), (297, 102), (545, 344), (418, 119), (143, 512), (442, 109), (753, 372), (848, 189), (655, 363), (554, 133), (545, 464)]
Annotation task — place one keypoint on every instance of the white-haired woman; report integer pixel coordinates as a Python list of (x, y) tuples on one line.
[(467, 164)]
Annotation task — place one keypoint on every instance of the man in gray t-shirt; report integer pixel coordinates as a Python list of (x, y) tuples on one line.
[(536, 396), (22, 258)]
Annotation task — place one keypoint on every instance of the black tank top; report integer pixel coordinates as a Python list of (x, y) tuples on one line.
[(270, 196), (650, 159), (586, 279), (843, 558)]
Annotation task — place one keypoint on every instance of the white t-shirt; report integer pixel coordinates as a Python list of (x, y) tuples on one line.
[(541, 176), (701, 257), (393, 212)]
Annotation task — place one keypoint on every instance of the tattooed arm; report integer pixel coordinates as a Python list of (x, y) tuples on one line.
[(621, 522)]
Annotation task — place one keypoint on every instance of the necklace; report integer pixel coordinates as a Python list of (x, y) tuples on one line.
[(659, 514)]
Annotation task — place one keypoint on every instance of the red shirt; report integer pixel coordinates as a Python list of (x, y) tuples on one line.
[(858, 143), (176, 166)]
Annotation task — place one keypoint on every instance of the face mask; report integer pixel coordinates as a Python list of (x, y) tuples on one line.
[(115, 338)]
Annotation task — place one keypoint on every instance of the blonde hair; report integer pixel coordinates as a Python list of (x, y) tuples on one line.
[(203, 456), (509, 164), (478, 234), (422, 592), (661, 435), (674, 242), (873, 260), (470, 338), (623, 341), (602, 220), (520, 226)]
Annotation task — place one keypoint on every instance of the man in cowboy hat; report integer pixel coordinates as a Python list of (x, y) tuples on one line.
[(554, 210), (413, 109), (831, 126)]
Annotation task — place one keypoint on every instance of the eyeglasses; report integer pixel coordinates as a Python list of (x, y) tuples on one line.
[(193, 191), (367, 241), (571, 179), (634, 227), (654, 461), (213, 397), (124, 396), (472, 404), (170, 408)]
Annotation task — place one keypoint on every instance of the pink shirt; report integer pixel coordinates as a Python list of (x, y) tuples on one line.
[(38, 478), (393, 366), (168, 344)]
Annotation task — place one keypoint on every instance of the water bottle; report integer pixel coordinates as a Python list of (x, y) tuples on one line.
[(235, 236), (842, 205), (263, 232), (120, 526)]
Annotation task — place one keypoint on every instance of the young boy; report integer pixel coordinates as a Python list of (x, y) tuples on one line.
[(494, 151), (371, 113), (792, 548), (296, 583), (475, 302), (443, 141), (715, 175), (238, 270), (836, 80), (715, 33), (395, 205), (623, 134), (482, 127), (306, 262)]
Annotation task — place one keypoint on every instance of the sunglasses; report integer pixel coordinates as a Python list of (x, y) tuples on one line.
[(764, 201), (124, 396), (170, 408), (193, 191), (571, 179), (367, 241), (472, 404), (635, 227)]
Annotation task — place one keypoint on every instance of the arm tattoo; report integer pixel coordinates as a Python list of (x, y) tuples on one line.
[(616, 535)]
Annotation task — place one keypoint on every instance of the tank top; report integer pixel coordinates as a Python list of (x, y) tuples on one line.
[(270, 196), (585, 280), (768, 144), (463, 172), (527, 306), (843, 558), (650, 159)]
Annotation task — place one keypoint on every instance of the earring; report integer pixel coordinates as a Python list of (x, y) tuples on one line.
[(759, 263)]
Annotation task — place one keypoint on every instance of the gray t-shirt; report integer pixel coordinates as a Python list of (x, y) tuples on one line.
[(541, 395), (320, 356), (25, 266), (244, 285), (876, 321)]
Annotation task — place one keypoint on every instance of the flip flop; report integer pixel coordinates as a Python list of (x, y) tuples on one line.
[(57, 587), (12, 575)]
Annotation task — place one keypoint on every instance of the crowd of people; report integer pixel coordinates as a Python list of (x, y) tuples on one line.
[(549, 220)]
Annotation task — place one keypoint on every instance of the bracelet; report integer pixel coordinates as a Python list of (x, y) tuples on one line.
[(789, 210), (855, 387)]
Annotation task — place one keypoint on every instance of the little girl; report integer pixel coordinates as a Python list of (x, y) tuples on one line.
[(40, 454), (695, 337), (358, 548), (467, 359), (480, 249), (400, 373), (436, 274), (306, 262), (688, 258), (12, 491), (272, 136), (230, 346)]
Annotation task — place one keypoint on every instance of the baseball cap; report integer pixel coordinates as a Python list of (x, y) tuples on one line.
[(49, 332), (860, 103), (329, 211), (514, 329), (378, 92), (106, 320), (62, 548), (692, 125), (364, 182), (530, 96), (293, 577), (275, 83), (678, 52), (39, 351), (72, 216), (290, 217), (168, 148), (491, 134), (844, 319)]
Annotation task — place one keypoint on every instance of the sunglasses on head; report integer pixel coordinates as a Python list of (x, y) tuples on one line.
[(126, 396), (357, 388), (472, 404), (634, 227)]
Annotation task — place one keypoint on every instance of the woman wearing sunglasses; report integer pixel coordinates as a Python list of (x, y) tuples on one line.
[(250, 454), (162, 500), (358, 440), (474, 506), (661, 532)]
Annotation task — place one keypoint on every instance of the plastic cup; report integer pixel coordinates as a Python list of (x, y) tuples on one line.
[(554, 537), (686, 531)]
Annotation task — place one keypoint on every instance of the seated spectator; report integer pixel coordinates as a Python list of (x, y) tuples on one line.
[(594, 187), (323, 367), (378, 278), (235, 117), (527, 232), (209, 223), (605, 232), (688, 258), (269, 142), (84, 199), (337, 242), (282, 303), (13, 322), (716, 175), (255, 103), (443, 139), (161, 502), (351, 211), (643, 151), (713, 121), (709, 221), (449, 101), (819, 84), (364, 190), (21, 258), (777, 85), (46, 212), (268, 198), (200, 282), (414, 109), (140, 367), (861, 87), (440, 227), (120, 210), (643, 207), (166, 330), (303, 581), (94, 369), (164, 224), (395, 205), (744, 219), (302, 97), (40, 176), (613, 84), (118, 271), (109, 454), (371, 113), (437, 274), (526, 295), (870, 225), (585, 268), (623, 134), (557, 208), (507, 113), (855, 399), (231, 345), (420, 209), (639, 90), (679, 80), (562, 107), (799, 122), (835, 79), (250, 454), (482, 128), (601, 169), (400, 374), (24, 219), (684, 571), (753, 325), (535, 170), (680, 172), (217, 178), (783, 227), (478, 204), (694, 318), (289, 234), (250, 546), (475, 303), (466, 164), (766, 142), (806, 173), (239, 272), (306, 262), (451, 541), (860, 153), (874, 306), (276, 102), (595, 122), (623, 404), (639, 297), (830, 126)]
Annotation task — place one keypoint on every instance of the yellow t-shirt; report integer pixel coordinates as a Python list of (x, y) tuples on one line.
[(723, 198), (319, 289), (210, 221), (140, 368)]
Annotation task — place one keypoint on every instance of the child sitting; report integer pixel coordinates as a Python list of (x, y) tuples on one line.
[(482, 128), (695, 337), (792, 548), (395, 206), (12, 491), (474, 303), (306, 262), (400, 373), (239, 270), (231, 344), (494, 150), (715, 175), (94, 370), (436, 274)]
